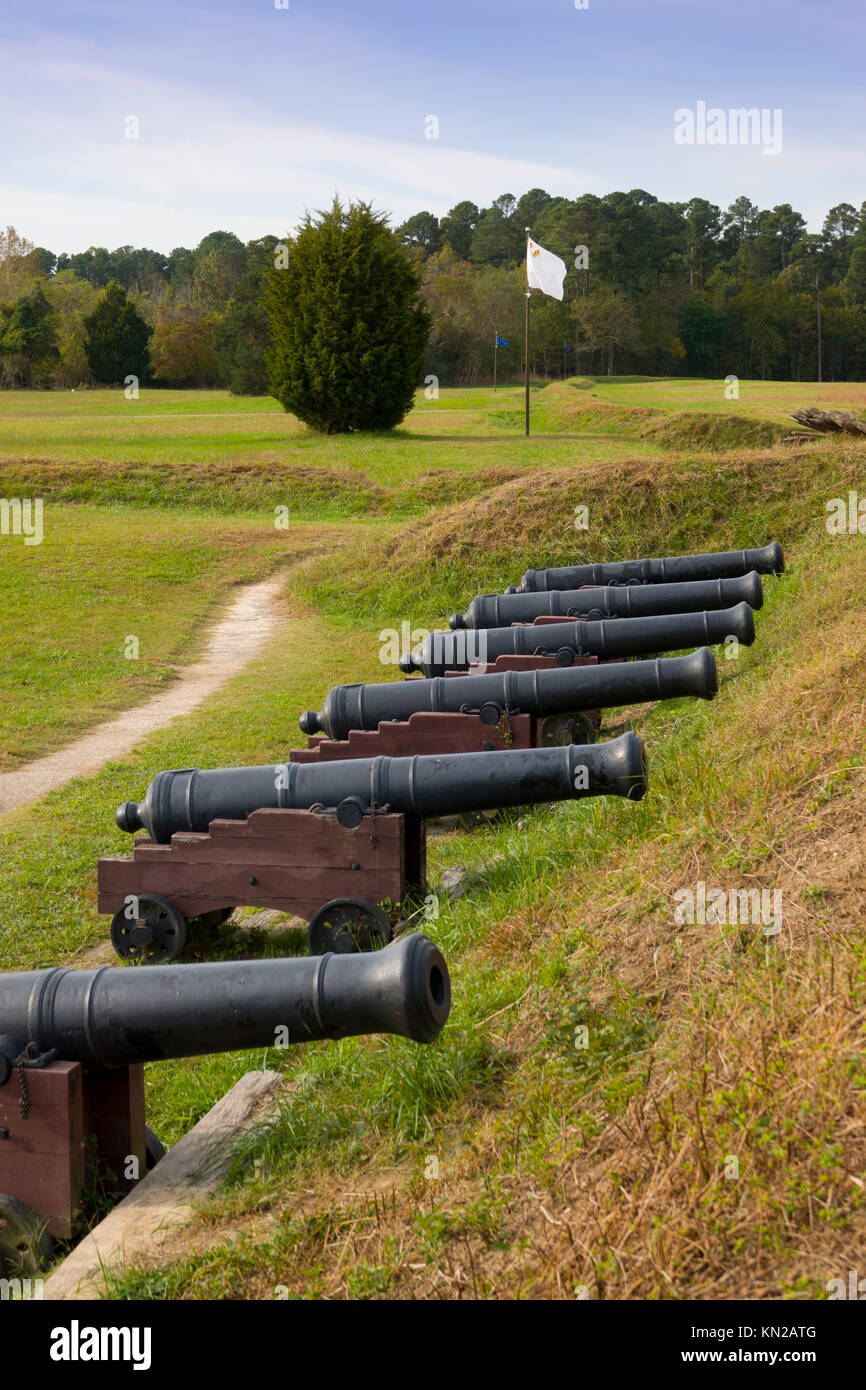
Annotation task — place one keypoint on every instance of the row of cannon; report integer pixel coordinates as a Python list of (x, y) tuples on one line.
[(506, 720), (335, 834)]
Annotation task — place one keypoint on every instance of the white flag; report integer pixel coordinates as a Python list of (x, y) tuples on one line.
[(544, 271)]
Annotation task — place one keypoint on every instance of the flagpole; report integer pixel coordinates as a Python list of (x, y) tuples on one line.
[(495, 346), (526, 344)]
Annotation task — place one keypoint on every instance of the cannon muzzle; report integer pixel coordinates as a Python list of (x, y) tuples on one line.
[(609, 639), (638, 601), (675, 569), (539, 693), (112, 1017), (425, 785)]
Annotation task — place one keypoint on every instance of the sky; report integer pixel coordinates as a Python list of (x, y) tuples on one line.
[(156, 122)]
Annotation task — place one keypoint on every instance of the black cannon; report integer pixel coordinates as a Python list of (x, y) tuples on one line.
[(190, 800), (640, 601), (543, 692), (608, 640), (72, 1043), (675, 569), (339, 844)]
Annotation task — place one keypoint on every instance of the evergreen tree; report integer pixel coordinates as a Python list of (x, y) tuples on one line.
[(422, 230), (117, 343), (457, 226), (854, 285), (28, 347), (349, 331), (701, 329), (242, 339)]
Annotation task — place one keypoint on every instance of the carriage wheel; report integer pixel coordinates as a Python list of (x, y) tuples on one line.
[(157, 933), (558, 730), (346, 925)]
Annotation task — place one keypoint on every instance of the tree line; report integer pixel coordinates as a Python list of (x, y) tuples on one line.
[(656, 288)]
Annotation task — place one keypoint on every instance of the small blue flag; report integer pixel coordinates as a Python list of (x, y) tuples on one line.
[(501, 342)]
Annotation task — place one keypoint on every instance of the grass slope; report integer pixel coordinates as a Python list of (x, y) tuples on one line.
[(708, 1139)]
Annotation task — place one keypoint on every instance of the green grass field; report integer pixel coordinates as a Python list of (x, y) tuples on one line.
[(559, 1168), (205, 449)]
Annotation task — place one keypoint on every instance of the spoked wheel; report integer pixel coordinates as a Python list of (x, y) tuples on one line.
[(347, 925), (558, 730), (25, 1246), (157, 932)]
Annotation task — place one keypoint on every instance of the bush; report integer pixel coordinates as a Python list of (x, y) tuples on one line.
[(349, 331)]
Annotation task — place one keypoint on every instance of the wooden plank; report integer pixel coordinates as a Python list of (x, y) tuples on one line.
[(298, 861), (42, 1160), (513, 662), (113, 1099), (162, 1202), (230, 883), (427, 732)]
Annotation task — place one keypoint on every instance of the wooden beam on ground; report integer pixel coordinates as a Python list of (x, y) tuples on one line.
[(830, 421)]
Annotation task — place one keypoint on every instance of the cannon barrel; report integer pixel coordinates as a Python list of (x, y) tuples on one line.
[(540, 693), (498, 610), (112, 1017), (674, 569), (424, 785), (443, 651)]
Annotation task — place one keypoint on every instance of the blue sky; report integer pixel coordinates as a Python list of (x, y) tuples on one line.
[(249, 114)]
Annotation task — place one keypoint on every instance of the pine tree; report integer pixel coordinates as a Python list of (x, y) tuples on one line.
[(854, 285), (349, 331), (118, 339), (28, 340), (242, 338)]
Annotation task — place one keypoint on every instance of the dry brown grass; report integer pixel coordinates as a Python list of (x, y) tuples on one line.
[(644, 506)]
